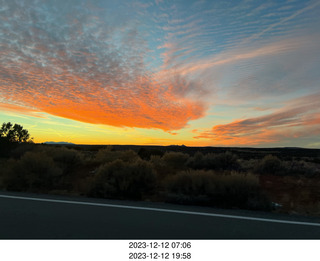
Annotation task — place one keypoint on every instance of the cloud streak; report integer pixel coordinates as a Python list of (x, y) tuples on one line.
[(309, 6), (241, 57), (299, 118)]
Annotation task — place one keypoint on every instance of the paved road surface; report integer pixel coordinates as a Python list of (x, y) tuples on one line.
[(31, 216)]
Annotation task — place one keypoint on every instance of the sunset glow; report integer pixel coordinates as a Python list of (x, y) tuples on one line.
[(198, 73)]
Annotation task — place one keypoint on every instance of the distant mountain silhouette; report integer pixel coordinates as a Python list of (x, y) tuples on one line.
[(59, 142)]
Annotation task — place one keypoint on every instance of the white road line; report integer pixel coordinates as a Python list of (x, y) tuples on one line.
[(163, 210)]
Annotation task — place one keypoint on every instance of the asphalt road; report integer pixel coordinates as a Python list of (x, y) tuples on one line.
[(30, 216)]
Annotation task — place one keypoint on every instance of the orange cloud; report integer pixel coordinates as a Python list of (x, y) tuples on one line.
[(89, 68), (145, 102), (21, 109)]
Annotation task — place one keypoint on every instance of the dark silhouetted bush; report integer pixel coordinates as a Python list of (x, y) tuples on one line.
[(66, 159), (222, 190), (197, 161), (301, 168), (6, 147), (34, 172), (124, 180), (108, 155), (270, 165), (159, 166), (146, 153), (21, 149), (66, 156), (220, 161), (128, 156), (248, 165), (175, 160)]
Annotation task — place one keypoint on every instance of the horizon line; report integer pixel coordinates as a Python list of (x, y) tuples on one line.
[(171, 145)]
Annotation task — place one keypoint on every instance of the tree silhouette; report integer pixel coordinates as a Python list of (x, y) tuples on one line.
[(14, 133)]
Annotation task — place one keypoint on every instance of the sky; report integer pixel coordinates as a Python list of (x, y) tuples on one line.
[(197, 73)]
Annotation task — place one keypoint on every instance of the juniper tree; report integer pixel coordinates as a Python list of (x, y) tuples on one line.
[(14, 133)]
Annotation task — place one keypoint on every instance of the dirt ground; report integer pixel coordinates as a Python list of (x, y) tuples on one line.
[(296, 195)]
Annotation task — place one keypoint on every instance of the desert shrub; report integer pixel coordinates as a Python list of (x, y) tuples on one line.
[(191, 182), (35, 172), (222, 190), (316, 160), (3, 164), (175, 160), (67, 159), (108, 155), (220, 161), (269, 165), (84, 185), (66, 156), (128, 156), (105, 155), (301, 167), (21, 149), (247, 165), (159, 166), (6, 147), (146, 154), (197, 161), (122, 179)]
